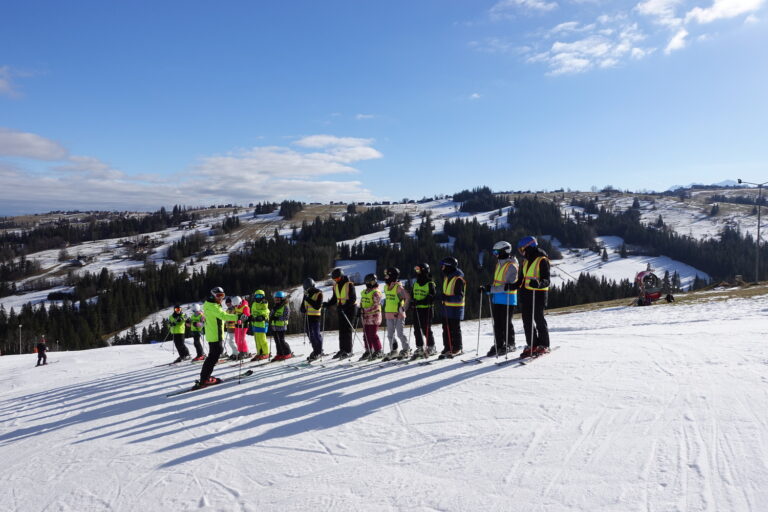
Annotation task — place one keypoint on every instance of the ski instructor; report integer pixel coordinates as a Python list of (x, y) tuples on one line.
[(215, 317)]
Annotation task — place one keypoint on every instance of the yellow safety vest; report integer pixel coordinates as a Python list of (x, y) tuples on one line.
[(420, 292), (532, 272), (393, 300), (366, 297), (310, 310), (342, 295), (500, 276), (449, 286)]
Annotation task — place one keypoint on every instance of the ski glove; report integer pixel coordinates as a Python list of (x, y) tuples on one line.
[(534, 283), (509, 286), (260, 318), (484, 289), (244, 317)]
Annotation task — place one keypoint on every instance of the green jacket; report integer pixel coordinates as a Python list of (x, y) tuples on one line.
[(215, 317), (177, 323)]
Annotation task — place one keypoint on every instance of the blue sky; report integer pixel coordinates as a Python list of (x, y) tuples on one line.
[(134, 105)]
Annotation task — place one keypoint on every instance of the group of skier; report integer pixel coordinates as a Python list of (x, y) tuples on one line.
[(522, 285)]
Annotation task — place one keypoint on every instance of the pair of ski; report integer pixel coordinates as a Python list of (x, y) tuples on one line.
[(224, 380), (522, 361), (444, 357)]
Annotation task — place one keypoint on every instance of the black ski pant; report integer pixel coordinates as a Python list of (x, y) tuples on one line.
[(423, 329), (532, 304), (214, 352), (346, 316), (314, 334), (452, 335), (198, 345), (503, 330), (181, 347), (283, 349), (41, 358)]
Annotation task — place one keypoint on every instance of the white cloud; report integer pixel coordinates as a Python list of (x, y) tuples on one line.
[(507, 8), (361, 117), (475, 96), (677, 42), (723, 9), (29, 145), (751, 19), (7, 87), (570, 27), (663, 12), (493, 45), (254, 174)]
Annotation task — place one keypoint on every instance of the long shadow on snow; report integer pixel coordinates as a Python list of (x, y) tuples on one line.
[(327, 411)]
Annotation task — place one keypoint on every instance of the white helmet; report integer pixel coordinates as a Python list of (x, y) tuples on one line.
[(196, 308), (502, 247), (236, 301)]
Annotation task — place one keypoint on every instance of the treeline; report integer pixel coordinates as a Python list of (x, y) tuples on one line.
[(720, 198), (264, 208), (288, 209), (186, 246), (329, 231), (479, 199), (55, 236)]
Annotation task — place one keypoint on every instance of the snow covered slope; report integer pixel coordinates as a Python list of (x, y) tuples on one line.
[(654, 409)]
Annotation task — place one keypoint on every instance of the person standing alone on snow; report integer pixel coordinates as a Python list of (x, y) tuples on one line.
[(533, 284), (214, 334), (344, 297), (41, 348), (503, 299), (196, 322), (396, 302), (177, 323), (454, 288)]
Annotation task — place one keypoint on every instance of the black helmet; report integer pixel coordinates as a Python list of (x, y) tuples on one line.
[(450, 262), (308, 283), (337, 273), (217, 291), (371, 279), (422, 268), (392, 273)]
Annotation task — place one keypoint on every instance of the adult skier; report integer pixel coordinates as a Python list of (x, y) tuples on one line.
[(242, 310), (423, 299), (396, 303), (196, 322), (41, 348), (452, 299), (177, 323), (370, 309), (215, 317), (503, 298), (311, 306), (278, 323), (344, 297), (260, 324), (533, 285)]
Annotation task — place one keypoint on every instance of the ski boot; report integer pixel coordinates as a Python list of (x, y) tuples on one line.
[(527, 352), (418, 354), (404, 354), (539, 350), (376, 354), (366, 355), (392, 355)]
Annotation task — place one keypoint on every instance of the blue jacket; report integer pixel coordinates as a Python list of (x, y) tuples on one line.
[(453, 300)]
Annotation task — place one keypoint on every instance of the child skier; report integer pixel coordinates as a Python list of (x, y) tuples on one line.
[(42, 348), (397, 300), (311, 306), (370, 309), (242, 310), (196, 322), (177, 323), (278, 323), (260, 325), (423, 298), (229, 326)]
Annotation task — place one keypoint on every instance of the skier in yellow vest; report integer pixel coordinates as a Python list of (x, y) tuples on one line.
[(533, 285), (260, 324), (178, 325), (345, 298), (503, 298), (196, 323), (396, 303), (278, 323), (312, 307), (453, 300), (370, 309), (423, 299)]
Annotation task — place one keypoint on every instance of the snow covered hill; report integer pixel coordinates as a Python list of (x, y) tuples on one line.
[(655, 409)]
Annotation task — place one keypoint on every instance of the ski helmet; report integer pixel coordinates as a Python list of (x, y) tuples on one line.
[(308, 283), (236, 301), (196, 308), (450, 262), (371, 280), (502, 249), (177, 306), (422, 268), (337, 273), (279, 295), (392, 273), (258, 295), (217, 292), (526, 241)]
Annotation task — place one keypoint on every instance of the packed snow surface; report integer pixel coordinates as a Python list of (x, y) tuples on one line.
[(654, 409)]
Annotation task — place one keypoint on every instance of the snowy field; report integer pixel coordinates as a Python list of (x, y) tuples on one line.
[(641, 409)]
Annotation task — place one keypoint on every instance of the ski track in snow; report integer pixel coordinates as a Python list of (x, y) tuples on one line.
[(643, 409)]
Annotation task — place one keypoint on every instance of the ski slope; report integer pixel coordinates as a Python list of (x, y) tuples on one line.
[(641, 409)]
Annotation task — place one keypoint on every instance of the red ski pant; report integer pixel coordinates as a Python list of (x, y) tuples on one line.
[(240, 341)]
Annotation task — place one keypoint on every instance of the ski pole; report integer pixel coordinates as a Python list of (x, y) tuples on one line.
[(354, 330), (533, 312), (479, 318), (506, 335), (447, 331), (304, 334)]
